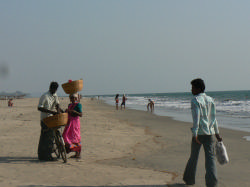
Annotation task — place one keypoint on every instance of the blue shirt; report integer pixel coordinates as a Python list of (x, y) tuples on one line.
[(203, 113)]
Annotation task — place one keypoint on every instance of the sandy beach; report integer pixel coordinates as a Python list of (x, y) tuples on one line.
[(120, 148)]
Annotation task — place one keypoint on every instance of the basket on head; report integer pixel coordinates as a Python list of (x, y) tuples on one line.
[(73, 87), (56, 120)]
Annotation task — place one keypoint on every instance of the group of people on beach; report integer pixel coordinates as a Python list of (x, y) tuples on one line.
[(71, 134), (204, 127), (123, 104), (150, 105)]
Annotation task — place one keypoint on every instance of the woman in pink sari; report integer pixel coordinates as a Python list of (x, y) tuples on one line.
[(71, 133)]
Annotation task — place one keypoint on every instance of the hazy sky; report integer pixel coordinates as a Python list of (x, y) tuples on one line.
[(131, 46)]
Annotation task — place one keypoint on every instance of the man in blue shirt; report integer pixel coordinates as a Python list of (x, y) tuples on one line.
[(204, 127)]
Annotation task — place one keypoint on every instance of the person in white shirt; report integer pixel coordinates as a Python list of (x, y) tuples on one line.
[(204, 127), (47, 103)]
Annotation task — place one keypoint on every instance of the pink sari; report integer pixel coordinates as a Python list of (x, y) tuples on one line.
[(72, 133)]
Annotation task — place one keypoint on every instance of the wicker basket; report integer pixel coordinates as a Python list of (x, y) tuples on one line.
[(56, 120), (73, 87)]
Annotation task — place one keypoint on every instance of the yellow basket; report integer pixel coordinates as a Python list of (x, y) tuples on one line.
[(73, 87), (56, 120)]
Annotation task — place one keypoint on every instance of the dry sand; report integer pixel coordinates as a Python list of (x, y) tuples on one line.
[(120, 148)]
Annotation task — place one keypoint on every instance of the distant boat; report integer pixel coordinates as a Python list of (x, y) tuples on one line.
[(14, 95)]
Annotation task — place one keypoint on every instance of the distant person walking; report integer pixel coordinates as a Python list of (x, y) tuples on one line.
[(10, 103), (72, 132), (151, 105), (204, 127), (117, 101), (48, 101), (123, 101)]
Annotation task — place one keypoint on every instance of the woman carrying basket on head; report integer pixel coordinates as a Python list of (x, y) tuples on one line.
[(71, 133)]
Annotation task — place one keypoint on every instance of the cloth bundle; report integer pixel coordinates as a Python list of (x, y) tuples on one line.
[(221, 153)]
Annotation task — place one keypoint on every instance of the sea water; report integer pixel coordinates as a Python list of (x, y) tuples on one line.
[(233, 107)]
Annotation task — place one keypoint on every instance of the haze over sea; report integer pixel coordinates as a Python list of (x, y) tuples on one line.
[(233, 107)]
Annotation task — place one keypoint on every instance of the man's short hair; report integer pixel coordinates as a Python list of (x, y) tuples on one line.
[(54, 85), (199, 84)]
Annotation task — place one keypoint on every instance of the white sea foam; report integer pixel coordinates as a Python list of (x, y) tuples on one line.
[(247, 138), (233, 108)]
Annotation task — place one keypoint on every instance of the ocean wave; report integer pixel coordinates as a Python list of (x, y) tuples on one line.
[(233, 108), (227, 107)]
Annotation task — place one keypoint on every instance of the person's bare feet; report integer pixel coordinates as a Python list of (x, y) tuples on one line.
[(77, 155)]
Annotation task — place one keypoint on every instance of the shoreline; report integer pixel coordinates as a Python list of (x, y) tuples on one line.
[(227, 122), (175, 145), (120, 148)]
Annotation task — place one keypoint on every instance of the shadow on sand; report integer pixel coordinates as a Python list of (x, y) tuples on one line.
[(18, 159), (172, 185)]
